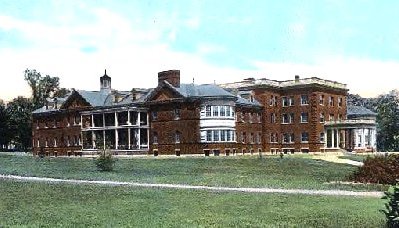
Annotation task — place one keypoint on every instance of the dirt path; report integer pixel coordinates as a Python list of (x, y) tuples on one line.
[(197, 187), (336, 159)]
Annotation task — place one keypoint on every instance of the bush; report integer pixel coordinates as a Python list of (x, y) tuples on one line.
[(392, 206), (105, 161), (378, 169)]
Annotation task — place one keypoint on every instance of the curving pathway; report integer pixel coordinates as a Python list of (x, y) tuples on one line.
[(197, 187)]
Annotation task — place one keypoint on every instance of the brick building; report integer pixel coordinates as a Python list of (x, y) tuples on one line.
[(301, 115)]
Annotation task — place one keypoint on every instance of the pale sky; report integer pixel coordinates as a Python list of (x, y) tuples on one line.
[(354, 42)]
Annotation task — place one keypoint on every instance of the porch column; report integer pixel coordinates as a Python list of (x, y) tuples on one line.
[(332, 138), (92, 120), (325, 138), (93, 142), (128, 119), (138, 119), (337, 137), (363, 138), (138, 136), (116, 139), (128, 137), (116, 119)]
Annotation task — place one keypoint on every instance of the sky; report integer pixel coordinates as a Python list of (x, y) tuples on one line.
[(353, 42)]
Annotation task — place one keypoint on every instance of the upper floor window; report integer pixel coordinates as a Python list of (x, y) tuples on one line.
[(228, 111), (177, 113), (321, 100), (154, 115), (271, 101), (250, 117), (340, 117), (304, 99), (321, 117), (272, 117), (305, 137), (284, 101), (304, 117), (331, 117), (215, 110), (288, 118), (331, 101), (291, 101), (322, 137), (340, 101), (208, 110), (222, 110)]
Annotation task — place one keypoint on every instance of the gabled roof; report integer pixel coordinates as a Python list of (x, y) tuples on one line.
[(205, 90), (359, 111)]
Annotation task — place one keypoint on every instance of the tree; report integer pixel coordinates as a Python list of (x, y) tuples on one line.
[(388, 122), (20, 125), (5, 135), (42, 87), (392, 206)]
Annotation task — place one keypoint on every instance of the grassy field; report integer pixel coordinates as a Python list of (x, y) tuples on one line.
[(248, 171), (355, 157), (54, 205)]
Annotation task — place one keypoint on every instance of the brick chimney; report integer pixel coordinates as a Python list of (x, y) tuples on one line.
[(171, 76), (296, 78)]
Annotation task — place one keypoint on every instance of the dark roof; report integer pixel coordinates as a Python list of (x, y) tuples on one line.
[(206, 90), (359, 111)]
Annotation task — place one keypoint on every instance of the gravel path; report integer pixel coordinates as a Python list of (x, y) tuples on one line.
[(197, 187)]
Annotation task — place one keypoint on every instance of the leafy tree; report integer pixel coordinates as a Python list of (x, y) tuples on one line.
[(42, 87), (5, 135), (392, 206), (20, 124), (388, 122)]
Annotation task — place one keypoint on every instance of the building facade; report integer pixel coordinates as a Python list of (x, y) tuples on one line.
[(252, 116)]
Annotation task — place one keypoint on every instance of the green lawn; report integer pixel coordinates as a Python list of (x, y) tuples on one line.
[(247, 171), (54, 205), (356, 157)]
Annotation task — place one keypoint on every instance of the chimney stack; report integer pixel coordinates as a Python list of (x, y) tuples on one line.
[(296, 78), (171, 76)]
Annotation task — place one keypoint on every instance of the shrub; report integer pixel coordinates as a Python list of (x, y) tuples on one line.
[(378, 169), (392, 206), (105, 161)]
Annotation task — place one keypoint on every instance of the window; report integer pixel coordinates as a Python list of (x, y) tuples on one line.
[(340, 117), (216, 135), (215, 110), (288, 137), (243, 117), (291, 101), (285, 118), (273, 101), (305, 137), (331, 101), (331, 117), (322, 137), (304, 99), (222, 110), (209, 136), (272, 117), (177, 137), (250, 117), (177, 113), (340, 101), (288, 118), (155, 138), (243, 137), (284, 101), (321, 100), (228, 136), (258, 138), (273, 137), (259, 117), (223, 135), (228, 112), (321, 117), (252, 138), (55, 142), (154, 115), (208, 110), (304, 117)]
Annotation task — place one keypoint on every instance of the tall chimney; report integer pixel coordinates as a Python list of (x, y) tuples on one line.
[(171, 76), (296, 78)]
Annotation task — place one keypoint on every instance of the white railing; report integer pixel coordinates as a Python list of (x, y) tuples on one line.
[(328, 123)]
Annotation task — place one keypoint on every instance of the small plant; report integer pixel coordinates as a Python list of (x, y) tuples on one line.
[(392, 206), (105, 161), (281, 155)]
